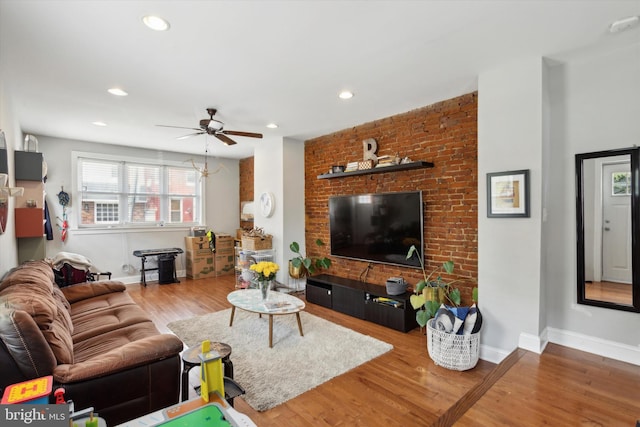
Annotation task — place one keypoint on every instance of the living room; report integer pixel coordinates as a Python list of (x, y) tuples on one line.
[(532, 112)]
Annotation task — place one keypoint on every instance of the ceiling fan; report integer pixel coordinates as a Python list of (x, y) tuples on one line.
[(215, 128)]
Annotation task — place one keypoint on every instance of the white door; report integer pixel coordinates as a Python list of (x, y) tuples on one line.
[(616, 222)]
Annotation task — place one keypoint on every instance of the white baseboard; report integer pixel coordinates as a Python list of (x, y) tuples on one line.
[(492, 354), (533, 343), (599, 346), (150, 277)]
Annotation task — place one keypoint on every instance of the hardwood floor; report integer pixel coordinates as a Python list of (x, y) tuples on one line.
[(404, 387)]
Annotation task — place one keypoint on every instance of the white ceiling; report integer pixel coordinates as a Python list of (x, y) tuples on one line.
[(268, 61)]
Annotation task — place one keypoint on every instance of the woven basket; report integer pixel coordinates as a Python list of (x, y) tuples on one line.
[(451, 351)]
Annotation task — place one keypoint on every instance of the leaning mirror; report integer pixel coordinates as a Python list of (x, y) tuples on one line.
[(608, 223)]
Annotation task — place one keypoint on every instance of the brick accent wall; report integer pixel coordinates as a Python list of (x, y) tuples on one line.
[(444, 134), (246, 186)]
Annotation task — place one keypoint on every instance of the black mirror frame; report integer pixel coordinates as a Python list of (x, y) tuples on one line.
[(634, 153)]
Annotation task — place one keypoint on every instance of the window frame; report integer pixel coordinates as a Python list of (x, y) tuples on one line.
[(122, 196)]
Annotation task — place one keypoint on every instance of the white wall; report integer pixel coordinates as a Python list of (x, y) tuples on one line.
[(510, 111), (113, 250), (595, 106), (13, 136), (279, 169), (268, 176)]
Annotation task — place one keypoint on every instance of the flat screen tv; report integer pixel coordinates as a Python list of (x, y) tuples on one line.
[(379, 227)]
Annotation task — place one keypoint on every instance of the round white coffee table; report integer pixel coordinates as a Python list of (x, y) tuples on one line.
[(276, 304)]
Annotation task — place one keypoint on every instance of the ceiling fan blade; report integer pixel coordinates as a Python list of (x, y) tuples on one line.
[(190, 135), (225, 139), (177, 127), (238, 133)]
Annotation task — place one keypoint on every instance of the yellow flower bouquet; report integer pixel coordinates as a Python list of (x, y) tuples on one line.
[(265, 270)]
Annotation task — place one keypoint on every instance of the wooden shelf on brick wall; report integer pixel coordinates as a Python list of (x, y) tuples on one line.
[(393, 168)]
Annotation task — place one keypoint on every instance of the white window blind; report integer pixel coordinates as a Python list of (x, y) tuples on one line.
[(122, 193)]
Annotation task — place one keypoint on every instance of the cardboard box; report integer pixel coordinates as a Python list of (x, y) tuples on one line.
[(224, 241), (198, 253), (200, 267), (195, 243), (224, 265)]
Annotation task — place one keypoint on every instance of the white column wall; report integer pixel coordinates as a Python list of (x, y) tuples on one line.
[(279, 169), (509, 249), (268, 162)]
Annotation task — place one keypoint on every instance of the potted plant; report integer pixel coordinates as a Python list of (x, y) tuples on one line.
[(430, 294), (303, 266)]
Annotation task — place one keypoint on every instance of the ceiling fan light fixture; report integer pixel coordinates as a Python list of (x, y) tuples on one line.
[(215, 124), (117, 91), (155, 23)]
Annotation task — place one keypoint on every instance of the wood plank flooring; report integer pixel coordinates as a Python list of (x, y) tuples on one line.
[(404, 387)]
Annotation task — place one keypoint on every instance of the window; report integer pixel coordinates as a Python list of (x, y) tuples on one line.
[(621, 183), (124, 193)]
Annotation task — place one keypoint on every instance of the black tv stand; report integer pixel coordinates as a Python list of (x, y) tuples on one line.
[(360, 299)]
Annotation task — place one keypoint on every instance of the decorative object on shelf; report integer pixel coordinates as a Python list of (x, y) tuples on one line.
[(396, 286), (353, 169), (265, 274), (369, 148), (256, 239), (303, 266), (30, 143), (337, 169), (508, 194), (267, 204), (430, 294)]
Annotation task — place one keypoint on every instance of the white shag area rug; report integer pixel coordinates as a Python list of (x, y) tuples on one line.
[(295, 364)]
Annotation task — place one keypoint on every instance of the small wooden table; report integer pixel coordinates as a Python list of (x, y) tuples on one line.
[(276, 304)]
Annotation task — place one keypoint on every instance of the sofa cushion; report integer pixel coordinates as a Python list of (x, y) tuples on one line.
[(107, 320), (30, 288), (103, 302), (135, 338), (81, 291)]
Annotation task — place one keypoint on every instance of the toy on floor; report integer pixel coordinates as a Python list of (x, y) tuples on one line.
[(211, 376), (34, 391)]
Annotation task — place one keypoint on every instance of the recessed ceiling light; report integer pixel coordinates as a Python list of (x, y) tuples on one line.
[(345, 94), (272, 126), (117, 91), (623, 24), (99, 123), (155, 23)]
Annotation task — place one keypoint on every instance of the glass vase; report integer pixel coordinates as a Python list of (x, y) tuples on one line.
[(265, 287)]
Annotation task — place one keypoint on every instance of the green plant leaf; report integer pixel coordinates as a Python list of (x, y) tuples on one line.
[(431, 308), (417, 301), (296, 262), (324, 263), (319, 242), (295, 247), (474, 295), (420, 286), (307, 263), (422, 318), (448, 266), (454, 296)]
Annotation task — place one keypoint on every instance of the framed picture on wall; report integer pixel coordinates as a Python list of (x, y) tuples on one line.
[(508, 194)]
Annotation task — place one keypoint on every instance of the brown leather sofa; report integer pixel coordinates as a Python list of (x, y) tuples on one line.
[(92, 337)]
